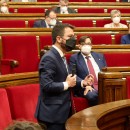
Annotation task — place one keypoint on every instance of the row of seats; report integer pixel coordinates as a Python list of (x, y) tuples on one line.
[(81, 1), (18, 102), (26, 57), (78, 10), (76, 22)]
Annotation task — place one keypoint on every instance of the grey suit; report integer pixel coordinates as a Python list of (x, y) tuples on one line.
[(53, 102)]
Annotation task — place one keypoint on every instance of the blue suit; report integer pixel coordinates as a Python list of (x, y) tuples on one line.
[(125, 39), (53, 102), (82, 72)]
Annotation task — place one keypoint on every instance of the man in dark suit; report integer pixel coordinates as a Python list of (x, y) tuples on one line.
[(125, 0), (63, 7), (82, 69), (49, 22), (125, 39), (54, 101)]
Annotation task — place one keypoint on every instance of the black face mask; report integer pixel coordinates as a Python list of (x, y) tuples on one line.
[(70, 44)]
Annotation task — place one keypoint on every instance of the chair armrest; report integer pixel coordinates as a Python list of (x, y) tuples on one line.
[(12, 63)]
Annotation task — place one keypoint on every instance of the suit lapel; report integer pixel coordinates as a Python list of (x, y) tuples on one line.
[(82, 63), (59, 60)]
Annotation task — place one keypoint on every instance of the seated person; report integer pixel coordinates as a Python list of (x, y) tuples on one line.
[(4, 7), (84, 61), (115, 16), (63, 7), (125, 0), (25, 125), (49, 22), (125, 39)]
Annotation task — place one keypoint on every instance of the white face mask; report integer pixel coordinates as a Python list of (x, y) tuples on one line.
[(4, 9), (116, 20), (63, 8), (86, 49), (53, 22)]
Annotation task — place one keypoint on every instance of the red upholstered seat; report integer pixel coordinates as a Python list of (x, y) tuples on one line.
[(5, 114), (117, 59), (45, 40), (128, 86), (98, 39), (102, 22), (23, 101), (79, 22), (31, 23), (122, 10), (90, 10), (118, 38), (12, 23), (31, 10), (11, 10), (78, 1), (104, 0), (23, 49)]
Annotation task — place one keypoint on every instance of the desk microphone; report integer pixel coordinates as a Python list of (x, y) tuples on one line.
[(73, 70)]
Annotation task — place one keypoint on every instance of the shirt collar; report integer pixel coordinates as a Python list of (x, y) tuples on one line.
[(59, 51), (85, 56)]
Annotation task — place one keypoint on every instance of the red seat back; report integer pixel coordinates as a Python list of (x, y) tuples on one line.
[(31, 10), (23, 100), (118, 38), (31, 23), (79, 22), (12, 23), (5, 114), (45, 40), (117, 59), (122, 10), (22, 48), (98, 39), (90, 10)]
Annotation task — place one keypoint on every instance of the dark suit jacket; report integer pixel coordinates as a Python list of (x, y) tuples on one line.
[(125, 39), (53, 103), (41, 24), (81, 68), (124, 0), (57, 10)]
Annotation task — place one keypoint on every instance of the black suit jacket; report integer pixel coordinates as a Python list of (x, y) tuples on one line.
[(54, 102), (124, 0), (57, 10)]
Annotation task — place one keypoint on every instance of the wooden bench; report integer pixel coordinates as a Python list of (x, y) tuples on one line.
[(108, 116)]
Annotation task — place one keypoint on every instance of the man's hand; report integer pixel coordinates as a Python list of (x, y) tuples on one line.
[(88, 88), (89, 80), (71, 80)]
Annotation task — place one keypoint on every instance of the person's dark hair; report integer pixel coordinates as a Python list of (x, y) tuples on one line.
[(48, 12), (83, 38), (24, 125), (59, 29)]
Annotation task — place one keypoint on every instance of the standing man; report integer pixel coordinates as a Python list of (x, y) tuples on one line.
[(54, 101), (49, 22), (88, 64), (63, 8)]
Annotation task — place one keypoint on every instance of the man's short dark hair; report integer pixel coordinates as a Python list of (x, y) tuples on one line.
[(59, 30), (47, 13), (83, 38)]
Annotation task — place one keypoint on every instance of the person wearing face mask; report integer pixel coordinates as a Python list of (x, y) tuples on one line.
[(116, 17), (4, 8), (82, 60), (63, 7), (54, 102), (49, 22), (125, 39)]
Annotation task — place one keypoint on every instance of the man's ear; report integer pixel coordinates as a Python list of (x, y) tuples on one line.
[(59, 39)]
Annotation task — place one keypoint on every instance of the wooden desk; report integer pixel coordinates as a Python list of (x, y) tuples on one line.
[(108, 116)]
